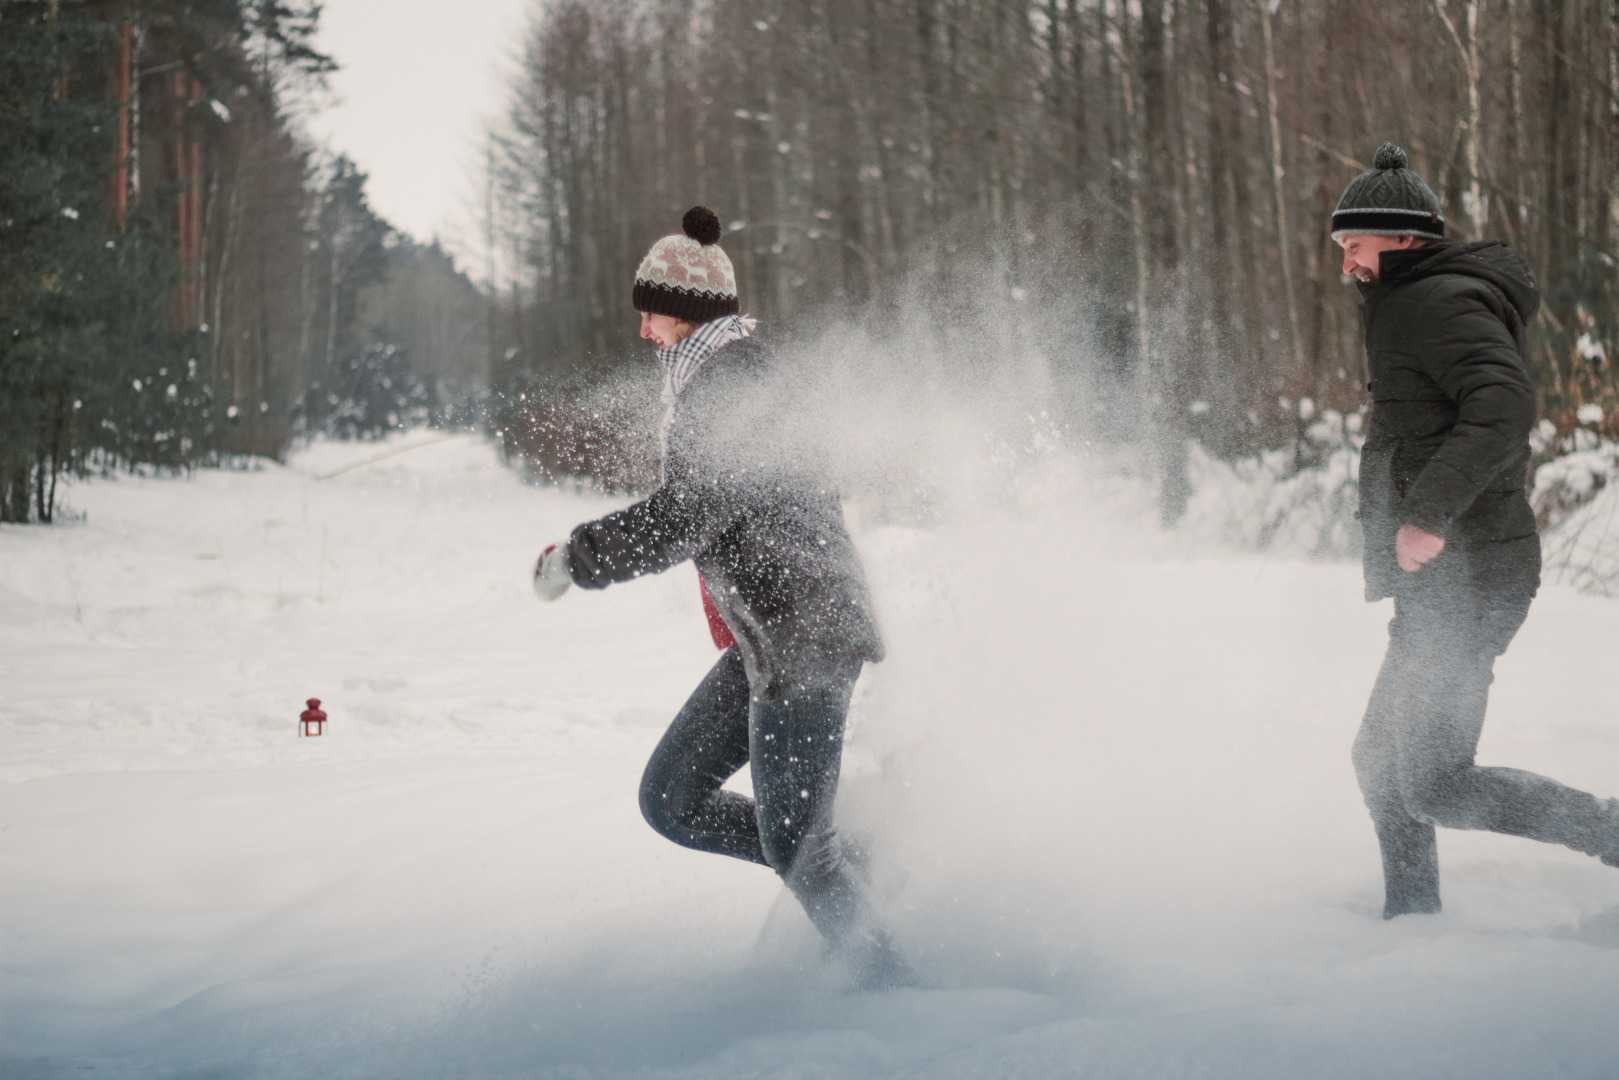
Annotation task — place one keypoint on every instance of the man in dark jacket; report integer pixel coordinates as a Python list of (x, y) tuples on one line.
[(1448, 528), (788, 598)]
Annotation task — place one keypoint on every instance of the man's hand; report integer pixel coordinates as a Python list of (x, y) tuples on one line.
[(551, 577), (1413, 548)]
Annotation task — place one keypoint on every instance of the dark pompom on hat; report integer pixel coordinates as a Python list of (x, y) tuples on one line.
[(688, 276), (1388, 200), (1389, 156), (702, 225)]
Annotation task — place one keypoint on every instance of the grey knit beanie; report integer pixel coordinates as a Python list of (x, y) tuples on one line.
[(1388, 200)]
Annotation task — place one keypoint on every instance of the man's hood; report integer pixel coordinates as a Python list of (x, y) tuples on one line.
[(1488, 260)]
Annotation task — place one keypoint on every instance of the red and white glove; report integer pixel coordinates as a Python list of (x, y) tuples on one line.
[(551, 577)]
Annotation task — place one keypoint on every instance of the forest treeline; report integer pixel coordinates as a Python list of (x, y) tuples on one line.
[(1141, 187), (1153, 177), (182, 277)]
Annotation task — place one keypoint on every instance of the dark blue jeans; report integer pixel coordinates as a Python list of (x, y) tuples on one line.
[(795, 745), (1414, 755)]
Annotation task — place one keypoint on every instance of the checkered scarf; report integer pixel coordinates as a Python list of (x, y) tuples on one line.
[(682, 359)]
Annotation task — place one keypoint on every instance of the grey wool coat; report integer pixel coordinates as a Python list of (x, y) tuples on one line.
[(760, 520)]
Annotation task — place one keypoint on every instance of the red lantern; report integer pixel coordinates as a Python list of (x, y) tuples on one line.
[(313, 721)]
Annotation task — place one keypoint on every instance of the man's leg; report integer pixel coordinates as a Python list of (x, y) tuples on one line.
[(1452, 639), (1410, 856), (681, 790)]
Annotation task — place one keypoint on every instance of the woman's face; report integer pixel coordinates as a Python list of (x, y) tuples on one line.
[(666, 330)]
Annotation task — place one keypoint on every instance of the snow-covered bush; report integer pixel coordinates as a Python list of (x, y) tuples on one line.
[(372, 392), (1576, 501), (1299, 499), (1564, 484)]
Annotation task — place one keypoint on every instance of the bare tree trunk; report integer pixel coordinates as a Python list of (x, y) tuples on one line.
[(135, 112), (1217, 175), (308, 306), (739, 164), (1168, 440), (1161, 180), (491, 284), (1138, 211), (1607, 210), (1515, 137), (331, 310), (227, 247), (1467, 53), (47, 496), (779, 161), (1284, 237), (928, 141), (1558, 136)]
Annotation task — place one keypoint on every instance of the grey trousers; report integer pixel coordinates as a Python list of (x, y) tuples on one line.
[(1414, 755)]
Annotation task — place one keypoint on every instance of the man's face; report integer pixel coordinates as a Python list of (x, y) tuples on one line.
[(1362, 252), (666, 330)]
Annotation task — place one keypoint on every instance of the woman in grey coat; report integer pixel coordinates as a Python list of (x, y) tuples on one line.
[(785, 589)]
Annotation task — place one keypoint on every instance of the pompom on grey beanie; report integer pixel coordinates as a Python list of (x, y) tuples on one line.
[(1388, 200)]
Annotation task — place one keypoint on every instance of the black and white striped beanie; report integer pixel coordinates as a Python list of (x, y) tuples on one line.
[(688, 277), (1388, 200)]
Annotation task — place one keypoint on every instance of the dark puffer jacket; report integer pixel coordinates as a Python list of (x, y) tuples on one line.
[(765, 530), (1452, 407)]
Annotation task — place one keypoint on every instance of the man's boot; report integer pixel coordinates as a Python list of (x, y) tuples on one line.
[(1410, 867)]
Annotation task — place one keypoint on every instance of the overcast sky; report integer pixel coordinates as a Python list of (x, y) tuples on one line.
[(417, 80)]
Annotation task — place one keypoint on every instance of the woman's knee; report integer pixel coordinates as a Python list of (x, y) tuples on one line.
[(655, 806), (674, 794), (671, 795)]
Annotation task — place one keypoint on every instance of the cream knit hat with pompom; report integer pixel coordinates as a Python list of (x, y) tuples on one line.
[(688, 276)]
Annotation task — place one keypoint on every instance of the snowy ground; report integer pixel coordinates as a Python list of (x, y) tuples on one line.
[(1109, 780)]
